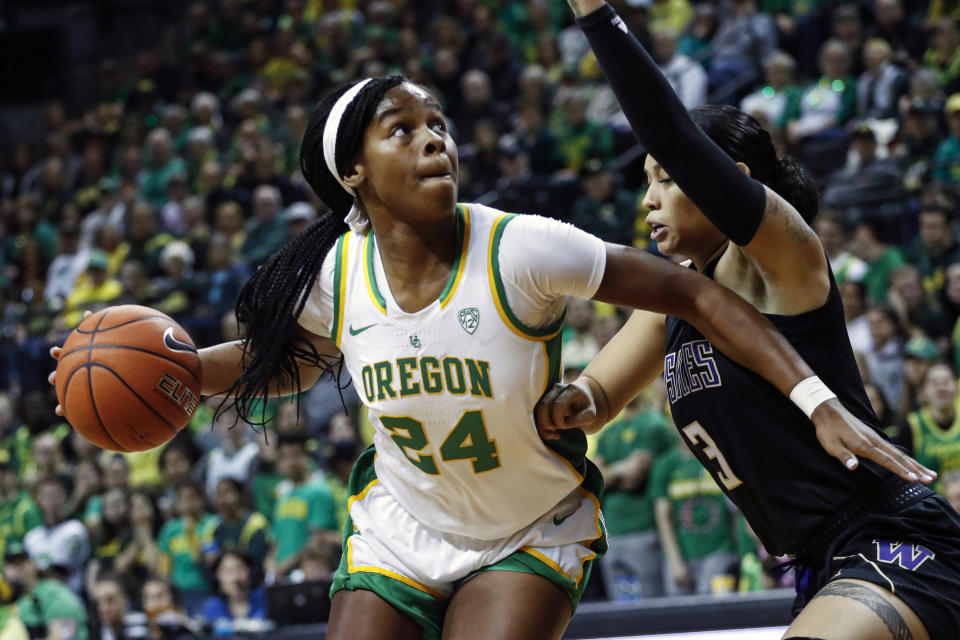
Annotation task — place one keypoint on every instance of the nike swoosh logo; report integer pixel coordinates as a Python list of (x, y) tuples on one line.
[(354, 332), (558, 521), (176, 345)]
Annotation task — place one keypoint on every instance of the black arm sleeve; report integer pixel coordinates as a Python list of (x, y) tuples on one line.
[(730, 199)]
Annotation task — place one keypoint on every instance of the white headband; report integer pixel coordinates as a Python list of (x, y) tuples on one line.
[(356, 219)]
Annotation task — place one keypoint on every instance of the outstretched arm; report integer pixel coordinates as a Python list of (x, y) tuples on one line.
[(768, 228), (636, 279)]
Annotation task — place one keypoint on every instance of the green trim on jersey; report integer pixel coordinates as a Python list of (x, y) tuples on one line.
[(339, 283), (500, 294), (456, 270), (572, 445), (371, 275), (459, 262)]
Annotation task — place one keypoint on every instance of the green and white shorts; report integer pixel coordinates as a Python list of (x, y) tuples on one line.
[(417, 569)]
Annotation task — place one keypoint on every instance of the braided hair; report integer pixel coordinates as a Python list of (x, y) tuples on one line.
[(274, 297)]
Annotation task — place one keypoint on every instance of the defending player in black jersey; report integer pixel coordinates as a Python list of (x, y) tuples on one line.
[(877, 556)]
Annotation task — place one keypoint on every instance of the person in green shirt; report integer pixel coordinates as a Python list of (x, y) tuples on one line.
[(605, 210), (18, 513), (239, 529), (182, 542), (161, 167), (881, 259), (625, 452), (46, 601), (267, 230), (304, 507), (578, 138), (932, 434), (695, 521)]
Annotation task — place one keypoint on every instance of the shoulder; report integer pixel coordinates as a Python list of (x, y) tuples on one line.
[(34, 536), (256, 520), (318, 487), (171, 528), (73, 528), (214, 607)]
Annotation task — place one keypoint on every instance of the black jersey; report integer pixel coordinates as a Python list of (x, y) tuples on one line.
[(759, 447)]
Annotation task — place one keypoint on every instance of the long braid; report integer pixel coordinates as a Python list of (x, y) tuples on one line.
[(274, 297)]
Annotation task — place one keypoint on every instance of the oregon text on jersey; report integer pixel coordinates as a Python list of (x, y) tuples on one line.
[(690, 368), (409, 375)]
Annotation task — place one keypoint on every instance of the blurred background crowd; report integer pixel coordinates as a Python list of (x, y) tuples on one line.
[(176, 174)]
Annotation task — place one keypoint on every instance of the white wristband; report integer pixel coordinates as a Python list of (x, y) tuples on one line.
[(810, 394)]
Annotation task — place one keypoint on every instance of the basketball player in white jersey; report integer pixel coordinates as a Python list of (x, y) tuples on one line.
[(463, 522)]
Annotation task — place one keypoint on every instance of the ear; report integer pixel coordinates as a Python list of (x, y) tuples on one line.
[(744, 168), (356, 177)]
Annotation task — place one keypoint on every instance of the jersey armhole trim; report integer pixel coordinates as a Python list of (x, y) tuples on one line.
[(368, 273), (339, 287), (499, 293)]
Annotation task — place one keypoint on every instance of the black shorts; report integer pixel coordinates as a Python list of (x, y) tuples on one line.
[(913, 553)]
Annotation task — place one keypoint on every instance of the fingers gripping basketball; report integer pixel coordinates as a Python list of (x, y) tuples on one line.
[(128, 378)]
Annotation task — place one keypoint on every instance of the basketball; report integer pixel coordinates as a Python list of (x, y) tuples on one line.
[(128, 378)]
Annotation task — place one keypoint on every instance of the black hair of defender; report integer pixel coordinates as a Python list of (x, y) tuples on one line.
[(273, 299), (742, 137)]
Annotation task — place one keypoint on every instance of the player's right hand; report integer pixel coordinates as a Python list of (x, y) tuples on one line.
[(55, 353)]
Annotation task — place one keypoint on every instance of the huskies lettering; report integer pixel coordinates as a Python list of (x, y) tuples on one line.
[(689, 369), (907, 556)]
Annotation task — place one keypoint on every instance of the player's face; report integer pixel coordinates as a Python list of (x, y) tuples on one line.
[(677, 225), (409, 163)]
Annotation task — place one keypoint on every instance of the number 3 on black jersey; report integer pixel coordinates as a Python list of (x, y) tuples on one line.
[(695, 434)]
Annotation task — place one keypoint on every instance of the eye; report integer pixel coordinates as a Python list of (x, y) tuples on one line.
[(438, 125), (400, 129), (665, 180)]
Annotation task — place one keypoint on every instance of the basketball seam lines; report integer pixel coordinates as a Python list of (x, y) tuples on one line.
[(96, 411), (131, 390), (122, 324), (93, 400), (66, 386), (140, 349)]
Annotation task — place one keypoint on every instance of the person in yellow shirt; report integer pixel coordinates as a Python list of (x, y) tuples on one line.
[(96, 292), (670, 14)]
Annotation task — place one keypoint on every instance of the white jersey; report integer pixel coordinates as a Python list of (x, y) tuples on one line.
[(451, 388)]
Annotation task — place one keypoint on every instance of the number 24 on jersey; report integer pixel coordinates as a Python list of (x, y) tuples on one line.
[(467, 441)]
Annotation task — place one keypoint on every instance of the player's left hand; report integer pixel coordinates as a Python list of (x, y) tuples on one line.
[(55, 353), (571, 406), (845, 437)]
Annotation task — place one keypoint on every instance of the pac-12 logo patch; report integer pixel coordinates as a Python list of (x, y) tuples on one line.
[(469, 319), (905, 555)]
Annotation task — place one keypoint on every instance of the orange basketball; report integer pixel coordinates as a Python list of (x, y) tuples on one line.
[(128, 378)]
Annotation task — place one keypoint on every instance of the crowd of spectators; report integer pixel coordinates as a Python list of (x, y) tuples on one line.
[(181, 176)]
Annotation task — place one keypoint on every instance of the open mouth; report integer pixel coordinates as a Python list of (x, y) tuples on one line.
[(437, 176), (657, 231)]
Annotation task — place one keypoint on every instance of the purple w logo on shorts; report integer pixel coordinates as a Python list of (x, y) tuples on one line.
[(907, 556)]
